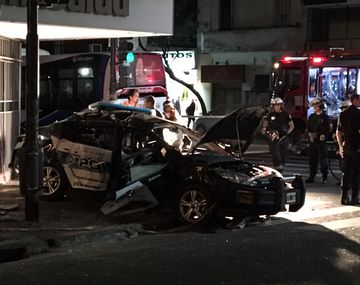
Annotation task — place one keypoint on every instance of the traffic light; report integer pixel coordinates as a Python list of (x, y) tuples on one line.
[(125, 51)]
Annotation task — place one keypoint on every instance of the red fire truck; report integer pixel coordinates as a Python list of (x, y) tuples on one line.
[(332, 75)]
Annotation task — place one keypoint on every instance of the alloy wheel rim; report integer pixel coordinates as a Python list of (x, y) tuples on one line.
[(51, 180), (193, 206)]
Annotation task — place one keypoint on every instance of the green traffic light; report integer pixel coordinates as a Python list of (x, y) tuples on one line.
[(130, 57)]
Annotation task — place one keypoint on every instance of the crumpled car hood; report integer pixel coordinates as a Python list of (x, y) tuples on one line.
[(242, 124)]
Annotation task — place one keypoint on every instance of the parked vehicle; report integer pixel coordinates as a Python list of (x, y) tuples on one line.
[(205, 122), (135, 157)]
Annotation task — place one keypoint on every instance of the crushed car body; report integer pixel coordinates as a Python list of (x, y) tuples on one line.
[(134, 157)]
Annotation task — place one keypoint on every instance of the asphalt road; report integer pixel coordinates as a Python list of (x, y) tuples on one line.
[(317, 245)]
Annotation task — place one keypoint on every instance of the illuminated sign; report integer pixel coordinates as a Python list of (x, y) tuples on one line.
[(118, 8), (183, 59)]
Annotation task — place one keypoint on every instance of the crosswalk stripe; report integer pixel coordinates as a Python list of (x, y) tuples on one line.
[(333, 225), (288, 217), (342, 224), (302, 216)]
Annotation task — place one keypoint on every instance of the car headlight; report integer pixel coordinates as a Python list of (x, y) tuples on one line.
[(232, 176), (267, 171)]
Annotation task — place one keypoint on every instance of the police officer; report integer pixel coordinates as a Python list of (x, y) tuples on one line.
[(318, 126), (348, 137), (277, 126)]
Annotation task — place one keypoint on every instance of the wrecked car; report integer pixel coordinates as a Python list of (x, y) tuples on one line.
[(134, 157)]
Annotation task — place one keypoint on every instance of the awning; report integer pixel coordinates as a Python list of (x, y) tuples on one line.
[(91, 19)]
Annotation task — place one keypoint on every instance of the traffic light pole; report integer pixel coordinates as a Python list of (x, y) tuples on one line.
[(33, 152), (113, 80)]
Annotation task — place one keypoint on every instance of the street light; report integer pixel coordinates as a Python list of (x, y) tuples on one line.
[(31, 160)]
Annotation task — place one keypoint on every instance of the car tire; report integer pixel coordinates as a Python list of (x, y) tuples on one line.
[(200, 129), (194, 204), (55, 183)]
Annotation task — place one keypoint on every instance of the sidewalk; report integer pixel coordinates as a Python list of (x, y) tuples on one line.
[(62, 223)]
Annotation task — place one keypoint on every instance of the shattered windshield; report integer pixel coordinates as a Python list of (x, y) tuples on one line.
[(184, 140)]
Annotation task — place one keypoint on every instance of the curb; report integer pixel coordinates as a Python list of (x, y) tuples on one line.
[(43, 240)]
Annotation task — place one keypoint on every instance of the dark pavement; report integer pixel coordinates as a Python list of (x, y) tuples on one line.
[(75, 244), (291, 253)]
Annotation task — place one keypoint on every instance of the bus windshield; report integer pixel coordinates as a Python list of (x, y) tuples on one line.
[(146, 70)]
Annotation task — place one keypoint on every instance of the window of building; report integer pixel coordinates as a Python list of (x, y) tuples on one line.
[(282, 12), (225, 15), (319, 2)]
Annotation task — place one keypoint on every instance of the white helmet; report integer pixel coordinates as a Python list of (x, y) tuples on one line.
[(317, 101), (345, 104), (276, 101)]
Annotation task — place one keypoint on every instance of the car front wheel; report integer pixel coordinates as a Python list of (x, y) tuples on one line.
[(54, 183), (194, 204)]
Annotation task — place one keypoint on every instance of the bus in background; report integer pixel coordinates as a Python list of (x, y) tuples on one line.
[(332, 75), (147, 75), (71, 82)]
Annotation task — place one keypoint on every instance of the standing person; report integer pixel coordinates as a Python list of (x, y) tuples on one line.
[(277, 126), (318, 127), (190, 111), (133, 98), (177, 105), (348, 137), (149, 103)]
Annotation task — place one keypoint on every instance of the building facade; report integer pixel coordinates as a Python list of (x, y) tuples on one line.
[(238, 42)]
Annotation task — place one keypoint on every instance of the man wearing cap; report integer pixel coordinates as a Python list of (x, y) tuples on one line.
[(318, 127), (277, 126), (348, 137)]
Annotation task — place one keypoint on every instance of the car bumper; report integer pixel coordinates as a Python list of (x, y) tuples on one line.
[(268, 201)]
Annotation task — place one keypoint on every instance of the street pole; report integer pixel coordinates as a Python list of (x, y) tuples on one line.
[(114, 42), (33, 152)]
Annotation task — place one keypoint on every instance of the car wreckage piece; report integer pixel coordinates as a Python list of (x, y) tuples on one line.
[(135, 192)]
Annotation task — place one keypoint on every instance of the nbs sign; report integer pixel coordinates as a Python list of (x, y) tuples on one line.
[(183, 59), (118, 8)]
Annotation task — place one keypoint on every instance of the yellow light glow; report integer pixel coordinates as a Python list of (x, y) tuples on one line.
[(276, 65)]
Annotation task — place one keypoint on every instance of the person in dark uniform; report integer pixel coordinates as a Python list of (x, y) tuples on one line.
[(318, 127), (348, 137), (277, 126), (190, 111)]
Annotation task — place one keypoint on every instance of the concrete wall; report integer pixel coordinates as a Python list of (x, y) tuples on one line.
[(256, 39)]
